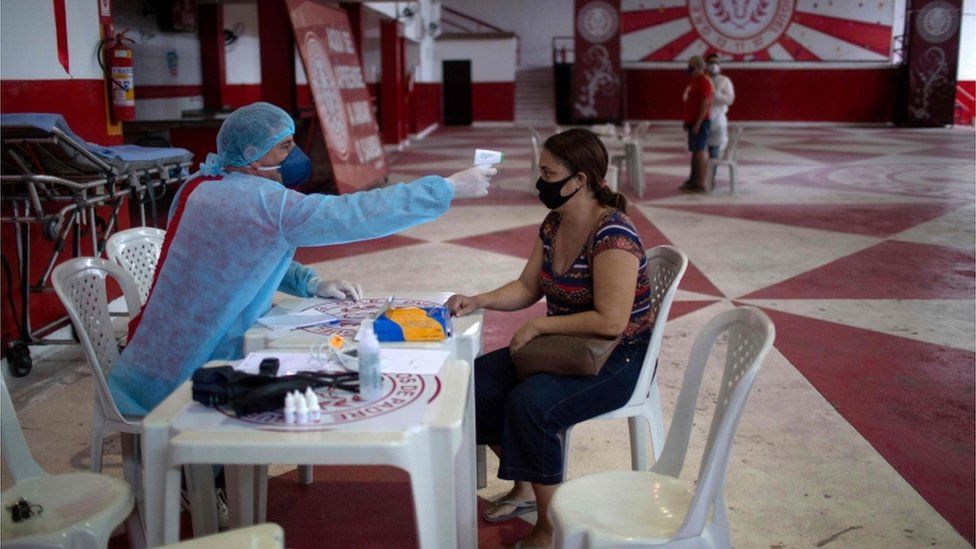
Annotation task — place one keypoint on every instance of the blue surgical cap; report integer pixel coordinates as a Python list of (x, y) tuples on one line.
[(247, 135)]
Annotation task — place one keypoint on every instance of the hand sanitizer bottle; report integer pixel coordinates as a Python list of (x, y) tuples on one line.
[(370, 377)]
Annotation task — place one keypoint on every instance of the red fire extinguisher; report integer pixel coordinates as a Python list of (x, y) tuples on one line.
[(118, 72)]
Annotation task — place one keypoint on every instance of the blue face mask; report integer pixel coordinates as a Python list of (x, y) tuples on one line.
[(296, 169)]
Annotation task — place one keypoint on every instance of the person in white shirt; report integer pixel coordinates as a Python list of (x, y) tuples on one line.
[(723, 98)]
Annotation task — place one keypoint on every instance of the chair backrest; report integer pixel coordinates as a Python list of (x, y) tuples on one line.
[(80, 283), (732, 149), (16, 453), (750, 336), (137, 251), (666, 266)]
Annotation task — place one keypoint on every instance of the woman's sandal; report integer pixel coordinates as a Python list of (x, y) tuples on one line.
[(519, 508)]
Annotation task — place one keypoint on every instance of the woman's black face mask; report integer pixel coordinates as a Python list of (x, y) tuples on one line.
[(549, 192)]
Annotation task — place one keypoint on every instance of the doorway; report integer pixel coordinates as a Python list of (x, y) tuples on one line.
[(457, 93)]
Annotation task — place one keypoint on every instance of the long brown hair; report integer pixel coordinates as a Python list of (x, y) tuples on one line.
[(581, 151)]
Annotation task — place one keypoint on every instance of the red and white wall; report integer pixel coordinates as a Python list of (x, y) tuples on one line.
[(32, 76), (802, 60)]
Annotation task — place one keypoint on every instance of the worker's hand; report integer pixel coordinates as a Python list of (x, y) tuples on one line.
[(684, 95), (696, 128), (461, 305), (339, 289), (472, 182)]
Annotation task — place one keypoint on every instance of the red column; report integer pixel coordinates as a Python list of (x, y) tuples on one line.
[(211, 21), (391, 104), (277, 55)]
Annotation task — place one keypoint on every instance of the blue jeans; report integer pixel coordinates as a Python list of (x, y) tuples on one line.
[(526, 417)]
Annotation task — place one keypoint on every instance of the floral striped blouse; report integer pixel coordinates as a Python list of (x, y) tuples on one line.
[(572, 292)]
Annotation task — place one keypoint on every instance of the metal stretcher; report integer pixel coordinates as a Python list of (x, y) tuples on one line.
[(52, 178)]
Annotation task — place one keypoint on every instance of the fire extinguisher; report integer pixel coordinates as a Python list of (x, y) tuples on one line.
[(118, 73)]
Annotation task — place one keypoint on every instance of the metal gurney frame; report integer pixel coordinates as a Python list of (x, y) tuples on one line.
[(45, 164)]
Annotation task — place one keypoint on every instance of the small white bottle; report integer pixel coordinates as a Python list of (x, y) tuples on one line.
[(312, 399), (370, 376), (301, 409), (290, 408)]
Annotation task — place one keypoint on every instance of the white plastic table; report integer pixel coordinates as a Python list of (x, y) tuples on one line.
[(424, 425)]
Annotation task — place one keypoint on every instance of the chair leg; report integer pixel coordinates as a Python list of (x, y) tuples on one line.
[(97, 439), (134, 529), (306, 474), (566, 450), (261, 494), (732, 178), (481, 463), (655, 418), (132, 463), (638, 443)]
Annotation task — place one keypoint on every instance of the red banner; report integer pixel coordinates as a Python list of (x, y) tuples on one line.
[(597, 89), (933, 54), (341, 98)]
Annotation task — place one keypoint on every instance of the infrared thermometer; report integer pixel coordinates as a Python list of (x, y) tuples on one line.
[(485, 157)]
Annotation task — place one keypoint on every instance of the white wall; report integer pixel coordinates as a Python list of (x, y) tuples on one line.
[(29, 46), (153, 52), (491, 60), (242, 59), (967, 42), (535, 22)]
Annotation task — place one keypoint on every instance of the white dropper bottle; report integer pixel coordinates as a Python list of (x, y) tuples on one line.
[(370, 376)]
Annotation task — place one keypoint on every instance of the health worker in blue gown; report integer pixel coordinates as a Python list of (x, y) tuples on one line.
[(229, 245)]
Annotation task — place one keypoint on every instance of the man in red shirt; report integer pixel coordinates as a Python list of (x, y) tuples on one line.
[(698, 99)]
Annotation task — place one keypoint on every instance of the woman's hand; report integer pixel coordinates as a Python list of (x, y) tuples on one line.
[(461, 305), (523, 335)]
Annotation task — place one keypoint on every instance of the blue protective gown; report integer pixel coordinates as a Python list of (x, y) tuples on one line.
[(231, 250)]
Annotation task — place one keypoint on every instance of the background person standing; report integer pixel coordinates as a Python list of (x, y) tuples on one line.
[(698, 100), (723, 98)]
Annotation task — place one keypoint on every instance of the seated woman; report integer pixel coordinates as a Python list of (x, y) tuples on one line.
[(601, 290)]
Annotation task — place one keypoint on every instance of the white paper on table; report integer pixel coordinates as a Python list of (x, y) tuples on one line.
[(289, 363), (300, 319), (412, 361)]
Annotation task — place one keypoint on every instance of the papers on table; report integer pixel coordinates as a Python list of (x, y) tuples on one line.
[(392, 361), (299, 319)]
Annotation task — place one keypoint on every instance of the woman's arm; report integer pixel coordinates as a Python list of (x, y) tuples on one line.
[(614, 284), (517, 294)]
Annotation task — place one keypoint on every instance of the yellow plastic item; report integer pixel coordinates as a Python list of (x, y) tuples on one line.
[(415, 323)]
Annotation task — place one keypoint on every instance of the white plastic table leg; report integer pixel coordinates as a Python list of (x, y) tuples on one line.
[(433, 490), (467, 505), (203, 501), (241, 488)]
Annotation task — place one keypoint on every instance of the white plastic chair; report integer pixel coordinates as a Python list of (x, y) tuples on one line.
[(656, 508), (729, 158), (80, 283), (137, 251), (665, 267), (262, 536), (78, 510)]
